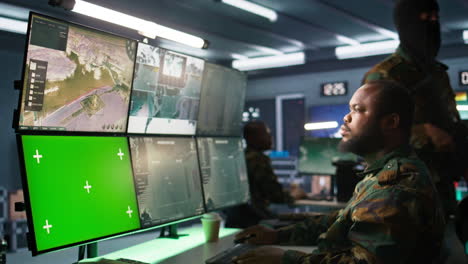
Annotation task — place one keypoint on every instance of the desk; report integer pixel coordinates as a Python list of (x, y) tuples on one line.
[(186, 249)]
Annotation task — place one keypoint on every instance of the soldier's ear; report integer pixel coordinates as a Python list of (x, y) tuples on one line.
[(391, 121)]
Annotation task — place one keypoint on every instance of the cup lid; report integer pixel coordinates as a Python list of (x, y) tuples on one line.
[(211, 216)]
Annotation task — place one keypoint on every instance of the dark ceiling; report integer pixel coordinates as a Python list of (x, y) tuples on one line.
[(314, 26)]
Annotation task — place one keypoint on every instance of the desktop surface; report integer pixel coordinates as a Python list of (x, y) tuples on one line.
[(187, 249)]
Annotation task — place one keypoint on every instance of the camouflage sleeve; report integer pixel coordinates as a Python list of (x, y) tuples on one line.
[(388, 226), (354, 255), (307, 231), (267, 183)]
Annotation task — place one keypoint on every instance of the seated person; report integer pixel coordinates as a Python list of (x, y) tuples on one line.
[(264, 185), (394, 215)]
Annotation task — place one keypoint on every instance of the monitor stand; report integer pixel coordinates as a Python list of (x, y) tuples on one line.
[(90, 249), (171, 232)]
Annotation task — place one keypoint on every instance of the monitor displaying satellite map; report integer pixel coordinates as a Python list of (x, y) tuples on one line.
[(167, 179), (75, 78), (222, 101), (224, 172), (79, 188), (166, 92)]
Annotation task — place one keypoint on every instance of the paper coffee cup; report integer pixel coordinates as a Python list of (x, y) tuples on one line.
[(211, 223)]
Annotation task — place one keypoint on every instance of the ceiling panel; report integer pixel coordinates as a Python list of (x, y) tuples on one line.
[(314, 26)]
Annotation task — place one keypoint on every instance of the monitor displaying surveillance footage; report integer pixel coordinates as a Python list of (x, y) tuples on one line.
[(224, 172), (75, 78), (166, 92), (222, 101), (167, 179)]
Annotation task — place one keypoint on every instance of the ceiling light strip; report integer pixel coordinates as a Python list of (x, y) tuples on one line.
[(321, 125), (270, 61), (253, 8), (13, 25), (144, 27), (367, 49)]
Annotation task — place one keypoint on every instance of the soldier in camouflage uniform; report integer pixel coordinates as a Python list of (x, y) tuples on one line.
[(436, 119), (264, 186), (393, 216)]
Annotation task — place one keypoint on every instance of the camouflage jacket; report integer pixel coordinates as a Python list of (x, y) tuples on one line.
[(393, 217), (434, 104), (264, 185), (434, 97)]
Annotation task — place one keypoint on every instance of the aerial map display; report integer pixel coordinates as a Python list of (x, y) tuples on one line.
[(76, 78), (72, 184), (224, 172), (167, 179), (166, 92), (222, 101)]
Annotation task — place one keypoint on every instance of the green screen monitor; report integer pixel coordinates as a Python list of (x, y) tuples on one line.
[(224, 172), (222, 101), (78, 189), (316, 155), (166, 92), (167, 179), (75, 78)]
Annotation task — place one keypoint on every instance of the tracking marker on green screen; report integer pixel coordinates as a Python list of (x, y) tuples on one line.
[(80, 189)]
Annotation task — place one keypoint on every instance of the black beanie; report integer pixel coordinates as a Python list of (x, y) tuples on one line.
[(421, 39)]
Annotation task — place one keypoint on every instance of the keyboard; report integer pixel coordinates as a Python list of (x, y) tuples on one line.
[(225, 257)]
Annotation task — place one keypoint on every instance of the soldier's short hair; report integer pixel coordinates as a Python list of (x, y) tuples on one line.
[(395, 98), (251, 128)]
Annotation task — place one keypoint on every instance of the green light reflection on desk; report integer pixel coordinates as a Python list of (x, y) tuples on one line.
[(159, 249)]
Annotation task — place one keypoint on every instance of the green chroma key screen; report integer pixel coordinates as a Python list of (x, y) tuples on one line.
[(80, 188)]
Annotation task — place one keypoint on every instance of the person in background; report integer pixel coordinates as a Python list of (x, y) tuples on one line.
[(264, 186), (438, 136), (394, 215)]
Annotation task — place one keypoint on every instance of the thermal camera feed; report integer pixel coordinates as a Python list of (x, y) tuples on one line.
[(222, 101), (224, 172), (167, 179), (166, 92), (80, 188), (76, 78)]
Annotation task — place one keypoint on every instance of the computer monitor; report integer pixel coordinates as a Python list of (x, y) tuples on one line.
[(224, 172), (77, 189), (167, 179), (75, 78), (222, 101), (166, 92), (317, 154), (318, 187)]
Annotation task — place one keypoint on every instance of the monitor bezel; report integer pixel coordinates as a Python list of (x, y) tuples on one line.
[(34, 130), (220, 208)]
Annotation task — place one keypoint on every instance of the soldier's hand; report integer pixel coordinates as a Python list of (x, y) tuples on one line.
[(442, 141), (262, 255), (259, 235)]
